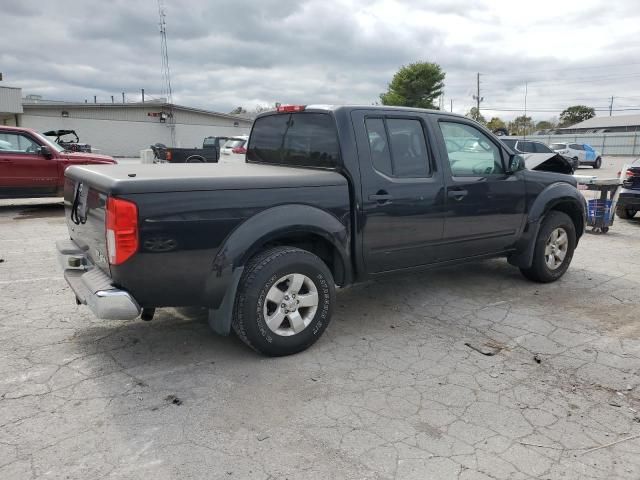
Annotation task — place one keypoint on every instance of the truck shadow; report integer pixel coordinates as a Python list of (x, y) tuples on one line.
[(51, 210)]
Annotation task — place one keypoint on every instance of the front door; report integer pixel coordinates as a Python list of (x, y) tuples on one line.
[(24, 172), (485, 205), (402, 192)]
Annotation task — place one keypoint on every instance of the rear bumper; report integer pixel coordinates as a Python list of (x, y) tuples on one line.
[(629, 198), (93, 287)]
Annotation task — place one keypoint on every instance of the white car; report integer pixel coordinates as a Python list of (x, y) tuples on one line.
[(583, 153), (234, 150)]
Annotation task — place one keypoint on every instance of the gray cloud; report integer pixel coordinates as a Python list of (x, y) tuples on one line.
[(244, 52)]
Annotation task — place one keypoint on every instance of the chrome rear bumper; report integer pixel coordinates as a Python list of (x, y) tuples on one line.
[(93, 287)]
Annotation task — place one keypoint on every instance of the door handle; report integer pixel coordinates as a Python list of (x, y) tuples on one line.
[(457, 194), (381, 197)]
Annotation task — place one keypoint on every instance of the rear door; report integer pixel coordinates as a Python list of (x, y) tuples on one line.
[(485, 206), (402, 190), (24, 171)]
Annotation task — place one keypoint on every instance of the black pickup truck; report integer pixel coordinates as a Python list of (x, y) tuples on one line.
[(209, 153), (329, 196)]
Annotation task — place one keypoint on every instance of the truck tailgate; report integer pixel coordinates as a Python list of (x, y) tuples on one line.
[(85, 209)]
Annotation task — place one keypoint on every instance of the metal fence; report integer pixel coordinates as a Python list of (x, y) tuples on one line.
[(623, 143)]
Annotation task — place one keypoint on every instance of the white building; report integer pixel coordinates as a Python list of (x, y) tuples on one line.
[(120, 129)]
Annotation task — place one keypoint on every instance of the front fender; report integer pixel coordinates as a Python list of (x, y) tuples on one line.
[(548, 199), (553, 195), (251, 235)]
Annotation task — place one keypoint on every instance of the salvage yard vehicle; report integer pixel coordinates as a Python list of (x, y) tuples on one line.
[(329, 195), (628, 202), (31, 165), (209, 153), (582, 153), (69, 140), (539, 156), (235, 149)]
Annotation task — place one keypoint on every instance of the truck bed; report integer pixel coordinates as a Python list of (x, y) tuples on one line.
[(128, 179)]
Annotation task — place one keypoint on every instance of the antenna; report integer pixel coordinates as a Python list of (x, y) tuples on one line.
[(166, 72)]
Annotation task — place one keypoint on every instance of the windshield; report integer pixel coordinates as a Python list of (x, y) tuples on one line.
[(235, 142), (49, 143), (510, 143), (558, 146)]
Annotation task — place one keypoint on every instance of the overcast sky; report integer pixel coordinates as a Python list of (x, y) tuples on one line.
[(229, 53)]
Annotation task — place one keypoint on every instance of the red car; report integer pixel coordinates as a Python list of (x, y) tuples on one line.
[(33, 166)]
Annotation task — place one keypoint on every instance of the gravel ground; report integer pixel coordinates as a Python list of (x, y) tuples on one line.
[(394, 389)]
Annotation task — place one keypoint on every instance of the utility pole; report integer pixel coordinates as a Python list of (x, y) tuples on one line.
[(526, 90), (143, 95), (452, 105), (112, 101), (122, 97), (477, 96), (611, 106)]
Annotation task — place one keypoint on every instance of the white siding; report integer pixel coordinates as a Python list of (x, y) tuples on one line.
[(124, 131), (10, 100)]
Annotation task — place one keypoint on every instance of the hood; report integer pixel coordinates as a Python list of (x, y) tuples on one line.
[(89, 156), (548, 162)]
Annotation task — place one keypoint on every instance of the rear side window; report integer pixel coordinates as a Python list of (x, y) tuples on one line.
[(398, 147), (526, 147), (303, 139)]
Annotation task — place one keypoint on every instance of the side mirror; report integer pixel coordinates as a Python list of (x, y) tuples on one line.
[(516, 163), (45, 152)]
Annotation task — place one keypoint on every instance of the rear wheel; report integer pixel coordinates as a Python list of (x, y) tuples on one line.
[(624, 212), (284, 302), (553, 250), (195, 159), (598, 163)]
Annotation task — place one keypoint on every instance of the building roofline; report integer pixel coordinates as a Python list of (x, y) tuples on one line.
[(151, 103)]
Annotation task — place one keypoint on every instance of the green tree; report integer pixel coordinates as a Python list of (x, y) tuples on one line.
[(238, 111), (496, 123), (418, 85), (476, 115), (521, 125), (576, 114), (544, 125)]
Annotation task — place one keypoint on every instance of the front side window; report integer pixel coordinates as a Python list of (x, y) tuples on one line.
[(470, 151), (300, 139), (558, 146), (541, 148), (17, 143)]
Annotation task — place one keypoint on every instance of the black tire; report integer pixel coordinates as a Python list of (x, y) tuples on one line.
[(597, 164), (195, 160), (539, 270), (625, 213), (262, 273)]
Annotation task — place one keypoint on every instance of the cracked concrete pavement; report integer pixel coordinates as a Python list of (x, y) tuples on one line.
[(390, 391)]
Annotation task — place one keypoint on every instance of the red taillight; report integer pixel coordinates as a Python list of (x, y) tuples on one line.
[(168, 156), (122, 230), (290, 108), (239, 150)]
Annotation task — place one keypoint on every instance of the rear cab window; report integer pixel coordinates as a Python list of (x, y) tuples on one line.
[(297, 139), (398, 147)]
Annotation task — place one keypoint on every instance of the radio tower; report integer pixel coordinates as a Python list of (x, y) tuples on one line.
[(166, 74)]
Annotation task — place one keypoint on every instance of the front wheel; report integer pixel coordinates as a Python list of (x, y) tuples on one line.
[(553, 250), (284, 302), (598, 163)]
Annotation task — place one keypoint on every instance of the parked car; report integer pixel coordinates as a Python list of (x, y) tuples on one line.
[(583, 153), (629, 195), (537, 151), (328, 196), (69, 140), (31, 165), (209, 153), (235, 149)]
